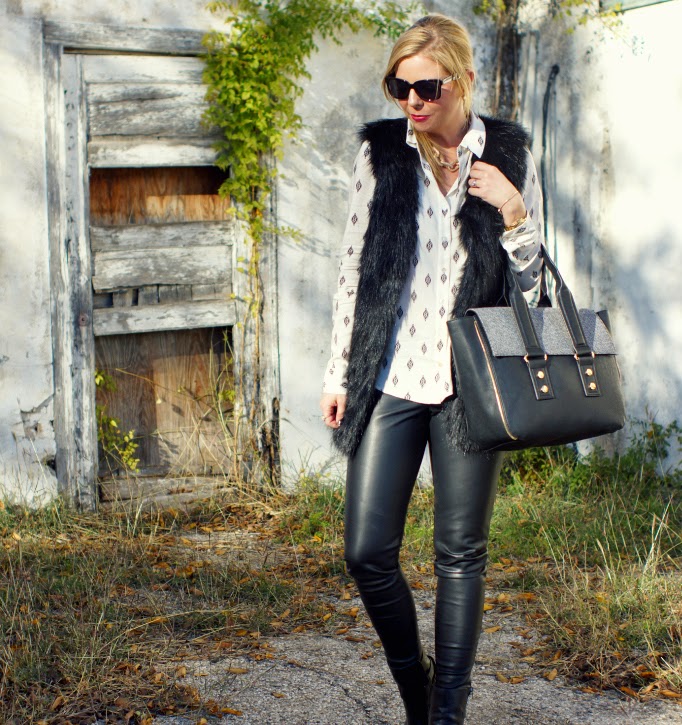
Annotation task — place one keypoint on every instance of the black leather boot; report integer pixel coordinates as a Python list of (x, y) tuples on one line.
[(414, 684), (448, 706)]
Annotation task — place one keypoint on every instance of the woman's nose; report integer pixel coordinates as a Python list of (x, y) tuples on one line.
[(414, 100)]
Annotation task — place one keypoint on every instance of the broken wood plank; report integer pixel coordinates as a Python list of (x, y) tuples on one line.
[(211, 291), (160, 110), (148, 295), (179, 316), (154, 236), (116, 269), (123, 298), (122, 152), (111, 68), (169, 293), (94, 36)]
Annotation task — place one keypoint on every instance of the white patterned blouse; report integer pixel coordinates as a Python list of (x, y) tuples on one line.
[(417, 364)]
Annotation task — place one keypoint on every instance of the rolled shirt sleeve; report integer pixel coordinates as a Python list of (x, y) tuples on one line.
[(523, 243)]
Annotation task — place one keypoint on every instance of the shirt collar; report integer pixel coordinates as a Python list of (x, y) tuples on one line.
[(474, 138)]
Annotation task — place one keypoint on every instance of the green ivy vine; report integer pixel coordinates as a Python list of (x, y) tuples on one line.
[(253, 72)]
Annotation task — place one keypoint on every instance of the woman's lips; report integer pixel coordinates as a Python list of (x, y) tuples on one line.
[(418, 119)]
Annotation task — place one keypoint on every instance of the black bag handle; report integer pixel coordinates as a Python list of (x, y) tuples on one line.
[(566, 305)]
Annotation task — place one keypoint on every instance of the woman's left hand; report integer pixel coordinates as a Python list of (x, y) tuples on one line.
[(490, 184)]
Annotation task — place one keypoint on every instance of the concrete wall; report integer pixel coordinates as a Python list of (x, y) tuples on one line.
[(612, 176), (27, 445), (26, 385)]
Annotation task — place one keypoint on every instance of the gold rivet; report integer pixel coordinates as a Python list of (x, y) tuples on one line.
[(541, 374), (589, 371), (592, 386), (544, 389)]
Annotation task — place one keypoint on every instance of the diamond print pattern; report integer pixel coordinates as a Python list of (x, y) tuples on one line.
[(400, 313), (439, 345), (346, 320), (415, 261), (424, 349), (443, 278), (342, 281), (397, 346), (413, 296), (444, 243), (441, 312), (429, 211), (413, 329), (455, 256), (427, 182), (358, 186), (427, 279), (422, 381), (410, 364), (395, 380), (425, 314), (429, 245), (354, 219), (350, 252)]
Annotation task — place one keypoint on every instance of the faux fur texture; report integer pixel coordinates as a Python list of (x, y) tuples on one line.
[(390, 243)]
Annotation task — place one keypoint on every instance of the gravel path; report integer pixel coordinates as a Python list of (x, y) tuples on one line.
[(343, 680)]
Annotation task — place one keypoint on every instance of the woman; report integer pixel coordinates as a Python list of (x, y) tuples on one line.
[(440, 203)]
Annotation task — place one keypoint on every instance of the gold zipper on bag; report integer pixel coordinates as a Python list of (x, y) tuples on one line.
[(494, 382)]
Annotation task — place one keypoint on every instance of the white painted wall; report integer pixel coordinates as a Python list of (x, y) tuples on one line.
[(614, 186), (27, 445), (613, 201)]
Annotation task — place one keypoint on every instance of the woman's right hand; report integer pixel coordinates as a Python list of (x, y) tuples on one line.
[(333, 406)]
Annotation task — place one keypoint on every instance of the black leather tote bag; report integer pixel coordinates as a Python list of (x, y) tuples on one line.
[(536, 376)]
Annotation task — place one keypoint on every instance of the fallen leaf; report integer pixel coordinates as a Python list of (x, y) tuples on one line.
[(237, 670), (57, 703), (231, 711), (490, 630), (278, 694), (487, 607), (629, 691), (671, 694), (181, 671), (552, 674), (516, 680)]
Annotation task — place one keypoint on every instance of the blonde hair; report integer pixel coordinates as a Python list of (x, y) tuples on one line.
[(447, 43)]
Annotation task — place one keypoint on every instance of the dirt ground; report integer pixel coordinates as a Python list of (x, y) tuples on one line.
[(343, 680)]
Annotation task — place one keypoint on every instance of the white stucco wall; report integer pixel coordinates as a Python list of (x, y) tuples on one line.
[(27, 445), (614, 180), (26, 436), (613, 204)]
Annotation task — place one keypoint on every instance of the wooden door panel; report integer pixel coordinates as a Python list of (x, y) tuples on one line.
[(168, 389)]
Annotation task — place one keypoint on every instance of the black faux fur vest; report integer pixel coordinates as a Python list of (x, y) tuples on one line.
[(389, 245)]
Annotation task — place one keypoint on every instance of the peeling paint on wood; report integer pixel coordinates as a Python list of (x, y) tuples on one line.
[(168, 265), (154, 236), (177, 316), (122, 152), (123, 38)]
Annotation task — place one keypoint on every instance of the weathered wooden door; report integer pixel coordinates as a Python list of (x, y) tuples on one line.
[(143, 255)]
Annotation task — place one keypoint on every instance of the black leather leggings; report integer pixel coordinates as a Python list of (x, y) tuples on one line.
[(379, 484)]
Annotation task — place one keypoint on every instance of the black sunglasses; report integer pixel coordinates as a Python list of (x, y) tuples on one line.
[(427, 90)]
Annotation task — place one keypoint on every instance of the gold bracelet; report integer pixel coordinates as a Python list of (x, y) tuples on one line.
[(517, 223)]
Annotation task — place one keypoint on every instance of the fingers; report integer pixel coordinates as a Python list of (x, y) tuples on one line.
[(333, 408), (489, 183)]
